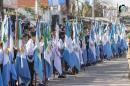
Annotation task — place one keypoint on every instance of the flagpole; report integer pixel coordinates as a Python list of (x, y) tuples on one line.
[(15, 33), (36, 17), (93, 7)]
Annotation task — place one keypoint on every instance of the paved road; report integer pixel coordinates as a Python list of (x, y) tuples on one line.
[(110, 73)]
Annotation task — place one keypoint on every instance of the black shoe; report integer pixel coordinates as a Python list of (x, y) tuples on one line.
[(62, 76), (22, 84), (30, 85), (41, 85)]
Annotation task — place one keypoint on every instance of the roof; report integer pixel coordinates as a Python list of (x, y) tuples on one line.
[(30, 3), (23, 3), (9, 3)]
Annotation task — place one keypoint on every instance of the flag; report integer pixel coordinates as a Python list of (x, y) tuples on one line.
[(19, 33), (56, 52), (47, 53), (75, 33), (47, 63), (38, 64), (22, 72), (46, 35), (5, 29), (6, 61), (106, 45), (76, 52), (57, 61), (11, 42), (37, 55), (92, 47), (12, 66), (11, 53), (111, 31), (67, 28), (38, 32)]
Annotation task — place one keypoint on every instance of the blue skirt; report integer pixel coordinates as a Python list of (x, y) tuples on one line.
[(113, 46), (67, 58), (24, 72), (97, 52), (123, 45), (108, 51), (75, 61), (38, 65), (47, 67), (1, 80), (84, 55), (91, 57), (12, 66), (6, 74)]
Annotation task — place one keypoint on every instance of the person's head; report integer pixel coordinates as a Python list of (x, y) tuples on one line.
[(1, 44), (41, 39), (71, 34), (53, 33), (33, 35)]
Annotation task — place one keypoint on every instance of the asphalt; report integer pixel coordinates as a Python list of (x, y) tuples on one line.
[(109, 73)]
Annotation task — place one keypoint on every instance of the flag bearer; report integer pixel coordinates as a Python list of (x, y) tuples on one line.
[(30, 47), (22, 68), (1, 62)]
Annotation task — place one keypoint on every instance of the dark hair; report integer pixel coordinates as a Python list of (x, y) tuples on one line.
[(33, 34), (1, 44)]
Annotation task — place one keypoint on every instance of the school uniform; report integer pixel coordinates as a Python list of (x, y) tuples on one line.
[(1, 62), (30, 47), (56, 55), (22, 68)]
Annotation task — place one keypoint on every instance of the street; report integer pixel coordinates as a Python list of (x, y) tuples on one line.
[(109, 73)]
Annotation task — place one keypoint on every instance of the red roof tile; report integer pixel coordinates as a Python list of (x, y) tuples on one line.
[(23, 3), (30, 3)]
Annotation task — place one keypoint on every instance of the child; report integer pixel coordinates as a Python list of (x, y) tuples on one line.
[(1, 62), (22, 66)]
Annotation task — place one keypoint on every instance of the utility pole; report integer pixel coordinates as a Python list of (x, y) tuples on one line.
[(93, 9), (78, 6)]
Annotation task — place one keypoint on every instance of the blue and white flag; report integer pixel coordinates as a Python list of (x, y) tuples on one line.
[(11, 52), (6, 61), (92, 48), (67, 29), (37, 55)]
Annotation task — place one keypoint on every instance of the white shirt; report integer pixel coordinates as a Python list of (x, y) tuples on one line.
[(70, 45), (1, 56), (61, 44), (41, 46), (30, 47)]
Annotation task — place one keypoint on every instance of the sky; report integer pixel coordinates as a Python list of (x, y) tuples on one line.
[(119, 2)]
